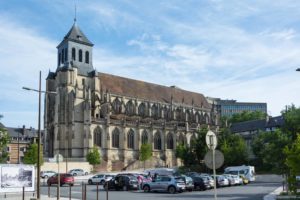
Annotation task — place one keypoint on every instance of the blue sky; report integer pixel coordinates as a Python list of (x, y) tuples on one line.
[(243, 50)]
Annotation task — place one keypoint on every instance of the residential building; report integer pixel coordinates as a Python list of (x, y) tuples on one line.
[(249, 129), (20, 139), (116, 114)]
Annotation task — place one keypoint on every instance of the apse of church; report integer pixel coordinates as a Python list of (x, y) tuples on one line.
[(116, 114)]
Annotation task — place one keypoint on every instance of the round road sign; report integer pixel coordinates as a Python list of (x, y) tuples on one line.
[(219, 159)]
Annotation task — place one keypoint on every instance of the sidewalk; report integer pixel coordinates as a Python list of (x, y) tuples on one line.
[(272, 195)]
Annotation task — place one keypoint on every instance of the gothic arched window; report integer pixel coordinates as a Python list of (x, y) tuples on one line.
[(157, 141), (181, 139), (73, 54), (206, 118), (98, 137), (144, 137), (155, 111), (170, 143), (198, 117), (178, 114), (117, 106), (87, 57), (116, 138), (129, 108), (142, 110), (80, 55), (193, 139), (130, 139), (166, 114)]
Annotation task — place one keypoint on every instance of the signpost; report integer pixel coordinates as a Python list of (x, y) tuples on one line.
[(58, 158), (211, 141)]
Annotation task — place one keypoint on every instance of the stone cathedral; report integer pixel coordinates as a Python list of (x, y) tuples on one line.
[(116, 114)]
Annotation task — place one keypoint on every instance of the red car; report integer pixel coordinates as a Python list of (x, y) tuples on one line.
[(64, 179)]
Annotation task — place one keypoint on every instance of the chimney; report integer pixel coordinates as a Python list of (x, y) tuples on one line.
[(23, 130)]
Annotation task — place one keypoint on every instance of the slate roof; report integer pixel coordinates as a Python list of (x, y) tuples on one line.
[(257, 124), (149, 91), (76, 35), (16, 132)]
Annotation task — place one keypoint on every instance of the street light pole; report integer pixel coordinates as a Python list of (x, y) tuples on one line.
[(39, 141), (39, 131)]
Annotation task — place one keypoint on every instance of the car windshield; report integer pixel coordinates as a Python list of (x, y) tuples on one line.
[(67, 175)]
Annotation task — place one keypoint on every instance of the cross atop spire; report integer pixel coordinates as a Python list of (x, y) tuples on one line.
[(75, 14)]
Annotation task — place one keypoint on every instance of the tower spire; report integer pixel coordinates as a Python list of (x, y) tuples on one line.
[(75, 14)]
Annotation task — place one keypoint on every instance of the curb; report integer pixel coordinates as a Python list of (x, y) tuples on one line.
[(272, 195)]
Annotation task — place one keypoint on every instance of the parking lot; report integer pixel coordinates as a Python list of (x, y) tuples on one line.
[(256, 190)]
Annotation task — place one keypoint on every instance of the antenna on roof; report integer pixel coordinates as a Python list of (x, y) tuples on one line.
[(75, 17)]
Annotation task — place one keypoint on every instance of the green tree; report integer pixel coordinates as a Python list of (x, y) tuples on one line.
[(4, 140), (291, 125), (234, 149), (268, 149), (145, 153), (292, 161), (247, 116), (93, 157), (30, 156)]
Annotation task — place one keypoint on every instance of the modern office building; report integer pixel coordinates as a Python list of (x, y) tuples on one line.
[(229, 107)]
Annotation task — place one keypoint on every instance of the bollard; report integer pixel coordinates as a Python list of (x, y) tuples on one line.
[(48, 190), (70, 192), (5, 195), (82, 188), (107, 192), (23, 193), (97, 191), (84, 191)]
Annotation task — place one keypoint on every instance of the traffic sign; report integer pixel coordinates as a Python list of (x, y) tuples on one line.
[(211, 140), (219, 159)]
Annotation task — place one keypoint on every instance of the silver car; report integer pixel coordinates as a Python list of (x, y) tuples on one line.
[(165, 183), (100, 179), (47, 174), (78, 172)]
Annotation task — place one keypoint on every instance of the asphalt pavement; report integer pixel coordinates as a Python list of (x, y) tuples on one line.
[(254, 191)]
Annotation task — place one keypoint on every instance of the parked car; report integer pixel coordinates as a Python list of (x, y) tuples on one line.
[(189, 183), (201, 183), (221, 181), (122, 182), (47, 174), (192, 174), (78, 172), (100, 179), (165, 183), (244, 179), (64, 179), (209, 178), (234, 179)]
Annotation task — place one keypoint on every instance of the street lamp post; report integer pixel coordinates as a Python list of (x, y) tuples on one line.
[(39, 132)]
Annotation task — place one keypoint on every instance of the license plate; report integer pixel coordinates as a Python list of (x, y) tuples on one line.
[(134, 185)]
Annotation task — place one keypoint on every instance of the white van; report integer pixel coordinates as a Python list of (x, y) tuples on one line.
[(247, 171)]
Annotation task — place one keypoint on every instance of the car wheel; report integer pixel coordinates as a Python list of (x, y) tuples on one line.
[(125, 188), (146, 188), (49, 184), (72, 184), (172, 190), (102, 182), (86, 173), (90, 182)]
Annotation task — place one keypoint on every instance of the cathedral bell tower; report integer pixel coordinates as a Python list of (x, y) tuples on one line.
[(75, 51)]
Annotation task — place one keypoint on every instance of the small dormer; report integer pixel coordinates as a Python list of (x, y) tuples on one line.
[(75, 51)]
